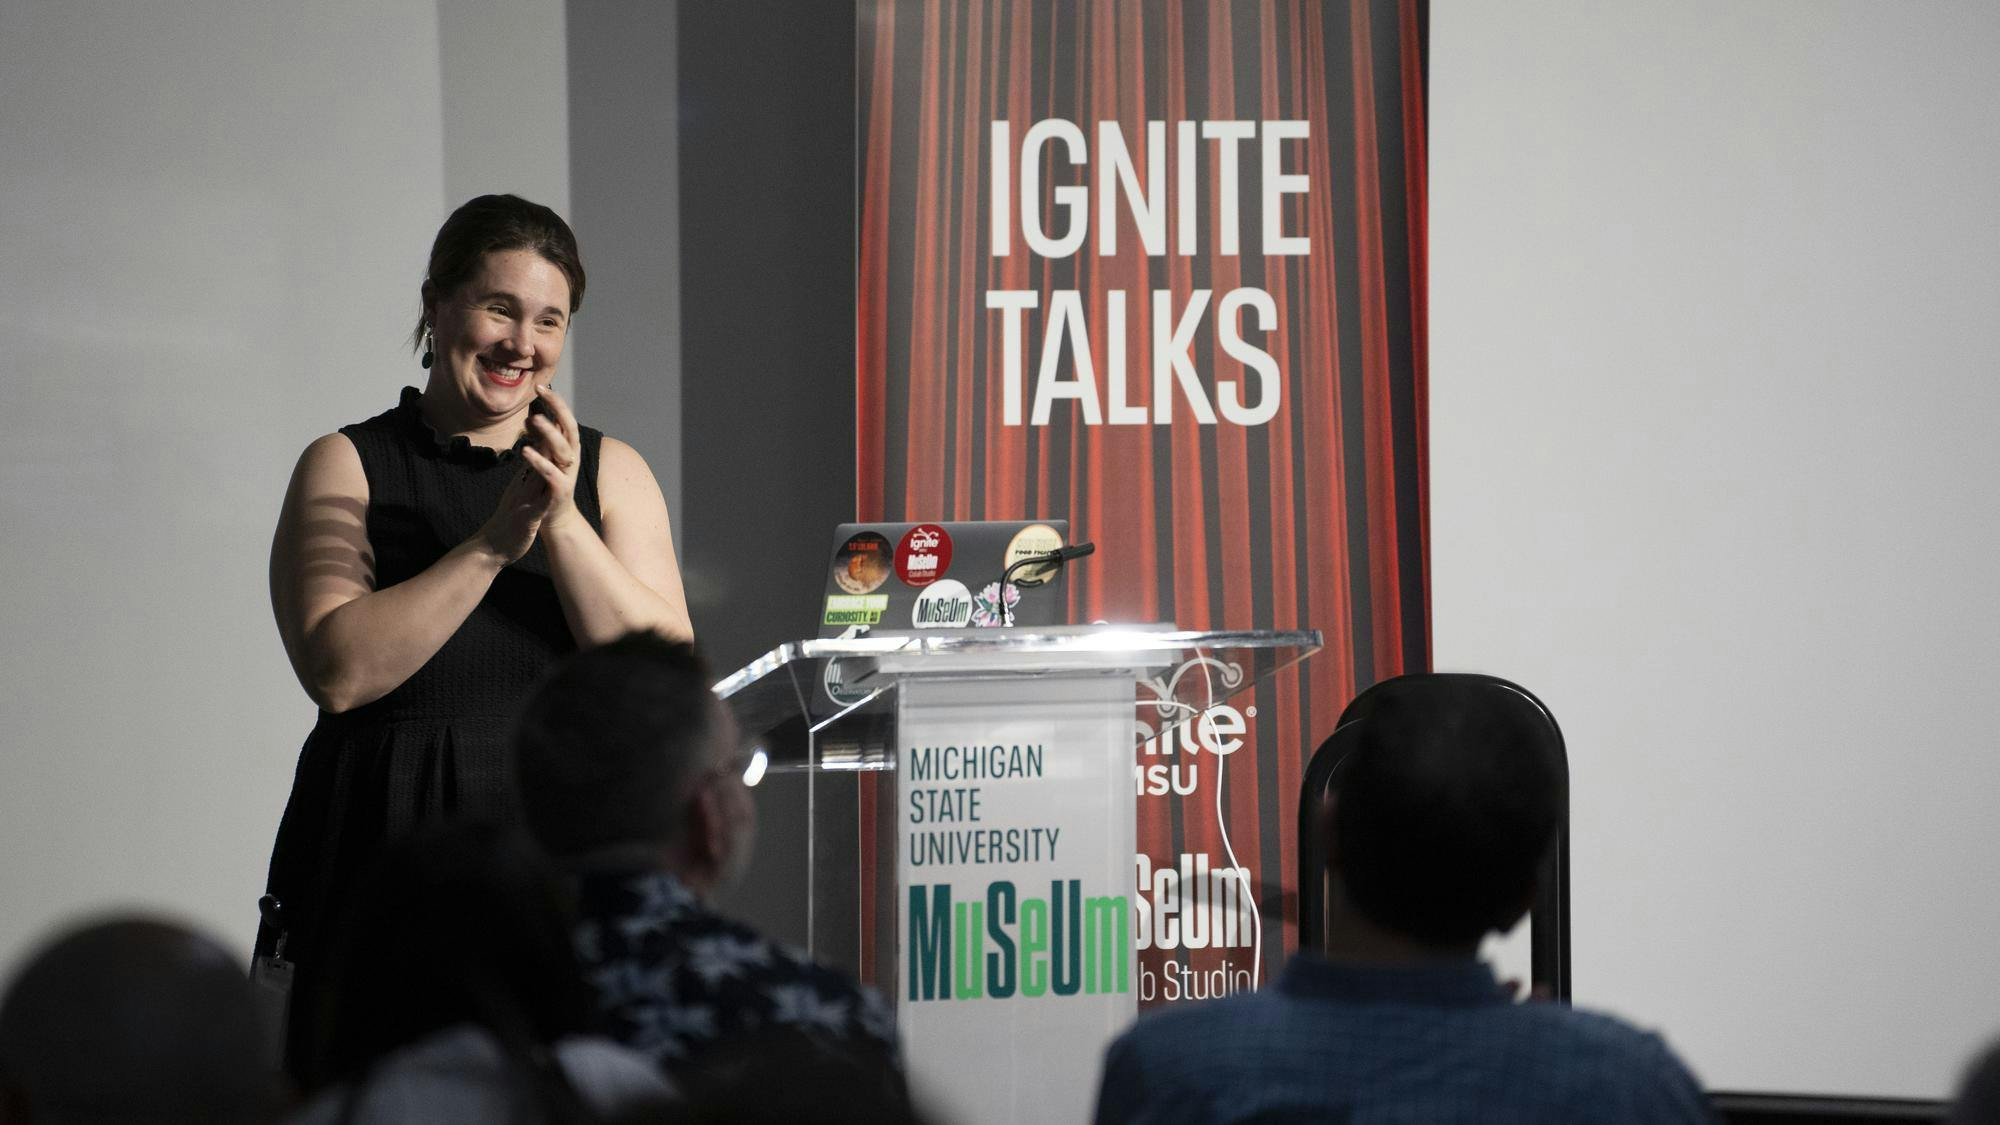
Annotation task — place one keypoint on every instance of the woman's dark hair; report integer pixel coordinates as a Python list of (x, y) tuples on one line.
[(461, 922), (499, 222)]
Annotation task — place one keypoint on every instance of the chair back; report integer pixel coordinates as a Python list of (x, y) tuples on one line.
[(1548, 919)]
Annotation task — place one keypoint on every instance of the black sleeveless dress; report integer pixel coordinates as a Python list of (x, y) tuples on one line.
[(435, 746)]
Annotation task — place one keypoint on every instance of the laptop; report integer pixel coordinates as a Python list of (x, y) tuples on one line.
[(931, 575)]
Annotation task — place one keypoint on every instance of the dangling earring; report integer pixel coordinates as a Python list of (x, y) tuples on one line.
[(426, 361)]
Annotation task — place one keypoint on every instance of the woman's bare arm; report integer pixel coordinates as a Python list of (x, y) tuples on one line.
[(627, 579), (349, 643)]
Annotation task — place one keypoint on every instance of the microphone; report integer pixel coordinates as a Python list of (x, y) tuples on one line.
[(1057, 557)]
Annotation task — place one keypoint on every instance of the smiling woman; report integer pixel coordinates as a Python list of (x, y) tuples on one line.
[(432, 561), (500, 333)]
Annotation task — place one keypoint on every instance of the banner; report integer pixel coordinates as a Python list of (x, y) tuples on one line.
[(1158, 268)]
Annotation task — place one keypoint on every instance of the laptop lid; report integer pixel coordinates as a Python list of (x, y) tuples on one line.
[(934, 575)]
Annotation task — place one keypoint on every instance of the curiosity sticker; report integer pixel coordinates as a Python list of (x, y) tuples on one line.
[(855, 609)]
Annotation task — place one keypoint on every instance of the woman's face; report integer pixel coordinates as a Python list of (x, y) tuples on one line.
[(502, 332)]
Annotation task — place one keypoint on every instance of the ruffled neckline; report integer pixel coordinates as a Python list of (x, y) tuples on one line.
[(457, 447)]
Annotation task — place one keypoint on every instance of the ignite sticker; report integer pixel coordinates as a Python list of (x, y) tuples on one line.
[(1035, 539), (855, 609), (861, 565), (943, 605), (924, 555)]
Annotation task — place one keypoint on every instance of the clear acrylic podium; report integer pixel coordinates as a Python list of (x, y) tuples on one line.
[(971, 818)]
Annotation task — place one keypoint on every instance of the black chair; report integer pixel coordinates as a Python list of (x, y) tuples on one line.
[(1807, 1109), (1548, 918)]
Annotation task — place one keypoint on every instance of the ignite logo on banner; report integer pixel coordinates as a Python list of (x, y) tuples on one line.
[(1214, 147), (1169, 758), (1218, 731), (1002, 944)]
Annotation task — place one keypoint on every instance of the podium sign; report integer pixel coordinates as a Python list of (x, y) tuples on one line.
[(999, 866), (1015, 960)]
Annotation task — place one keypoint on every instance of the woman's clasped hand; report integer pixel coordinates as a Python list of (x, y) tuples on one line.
[(543, 494)]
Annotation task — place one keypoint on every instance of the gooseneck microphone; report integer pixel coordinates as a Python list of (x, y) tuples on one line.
[(1057, 557)]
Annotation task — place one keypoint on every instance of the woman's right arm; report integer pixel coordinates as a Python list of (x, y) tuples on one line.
[(350, 643)]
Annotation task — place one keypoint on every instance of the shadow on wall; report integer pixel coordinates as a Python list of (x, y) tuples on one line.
[(756, 411)]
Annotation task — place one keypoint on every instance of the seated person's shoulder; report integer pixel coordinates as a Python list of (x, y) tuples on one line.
[(1165, 1066), (1617, 1063), (1582, 1029), (655, 945), (814, 996), (611, 1077), (1173, 1023), (1189, 1037), (461, 1075)]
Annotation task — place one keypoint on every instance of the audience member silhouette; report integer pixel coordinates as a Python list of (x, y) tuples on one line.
[(462, 999), (1978, 1101), (631, 776), (1438, 819), (781, 1076), (133, 1020)]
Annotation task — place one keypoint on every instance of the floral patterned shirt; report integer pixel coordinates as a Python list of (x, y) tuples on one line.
[(674, 978)]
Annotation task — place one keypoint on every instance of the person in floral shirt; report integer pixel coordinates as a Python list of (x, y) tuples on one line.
[(630, 775)]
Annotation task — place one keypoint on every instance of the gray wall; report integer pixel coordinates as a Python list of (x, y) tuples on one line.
[(767, 230), (213, 222), (624, 173), (211, 236), (767, 222), (1712, 390), (502, 76), (711, 168), (714, 143)]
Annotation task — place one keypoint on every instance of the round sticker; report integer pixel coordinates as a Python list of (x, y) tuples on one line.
[(924, 555), (1035, 539), (862, 563), (834, 681), (837, 690), (943, 605)]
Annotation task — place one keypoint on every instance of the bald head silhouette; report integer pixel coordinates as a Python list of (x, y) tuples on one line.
[(1978, 1100), (132, 1020)]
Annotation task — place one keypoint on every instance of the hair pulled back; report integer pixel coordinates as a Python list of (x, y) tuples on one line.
[(493, 223)]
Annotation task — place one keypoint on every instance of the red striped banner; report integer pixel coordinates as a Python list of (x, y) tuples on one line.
[(1157, 267)]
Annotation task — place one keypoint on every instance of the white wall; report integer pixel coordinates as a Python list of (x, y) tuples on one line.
[(1714, 379), (505, 86), (213, 223)]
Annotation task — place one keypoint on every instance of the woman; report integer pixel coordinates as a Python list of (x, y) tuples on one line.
[(431, 561)]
